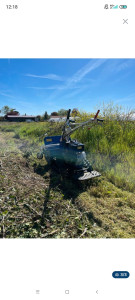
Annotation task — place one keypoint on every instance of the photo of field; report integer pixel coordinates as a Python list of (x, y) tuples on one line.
[(39, 199)]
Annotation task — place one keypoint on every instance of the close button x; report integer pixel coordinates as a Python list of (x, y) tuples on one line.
[(125, 21)]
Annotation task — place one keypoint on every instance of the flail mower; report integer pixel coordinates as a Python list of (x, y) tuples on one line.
[(67, 154)]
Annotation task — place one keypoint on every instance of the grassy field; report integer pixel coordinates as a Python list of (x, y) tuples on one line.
[(36, 201)]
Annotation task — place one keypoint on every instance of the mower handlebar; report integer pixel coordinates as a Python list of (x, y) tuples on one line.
[(68, 114)]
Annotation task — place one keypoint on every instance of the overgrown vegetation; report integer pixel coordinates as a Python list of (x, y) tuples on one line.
[(36, 201), (34, 132), (111, 147)]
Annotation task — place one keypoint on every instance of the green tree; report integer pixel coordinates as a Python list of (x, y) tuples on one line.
[(62, 112), (46, 116), (75, 112), (5, 109)]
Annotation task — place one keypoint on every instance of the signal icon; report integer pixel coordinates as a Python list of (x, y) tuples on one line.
[(115, 7)]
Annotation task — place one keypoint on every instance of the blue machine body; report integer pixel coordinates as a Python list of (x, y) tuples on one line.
[(50, 140), (68, 154)]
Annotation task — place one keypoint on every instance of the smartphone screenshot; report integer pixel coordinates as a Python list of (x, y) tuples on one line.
[(67, 150)]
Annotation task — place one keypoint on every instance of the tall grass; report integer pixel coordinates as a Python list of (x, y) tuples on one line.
[(111, 149), (33, 132)]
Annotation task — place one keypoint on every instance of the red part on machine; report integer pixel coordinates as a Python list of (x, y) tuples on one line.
[(96, 114)]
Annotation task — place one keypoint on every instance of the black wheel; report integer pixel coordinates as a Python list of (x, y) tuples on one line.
[(39, 155)]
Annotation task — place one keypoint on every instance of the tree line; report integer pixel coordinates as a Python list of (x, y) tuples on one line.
[(6, 110)]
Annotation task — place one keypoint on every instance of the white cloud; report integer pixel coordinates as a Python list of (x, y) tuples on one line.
[(89, 67), (6, 95), (46, 76), (52, 87), (71, 83)]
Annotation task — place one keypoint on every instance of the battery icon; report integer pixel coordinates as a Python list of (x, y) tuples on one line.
[(123, 6)]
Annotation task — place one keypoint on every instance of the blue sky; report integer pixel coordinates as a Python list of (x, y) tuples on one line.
[(33, 86)]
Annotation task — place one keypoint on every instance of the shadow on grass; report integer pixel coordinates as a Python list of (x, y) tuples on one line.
[(59, 180)]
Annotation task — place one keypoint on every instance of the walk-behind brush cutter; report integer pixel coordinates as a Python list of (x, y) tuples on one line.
[(67, 154)]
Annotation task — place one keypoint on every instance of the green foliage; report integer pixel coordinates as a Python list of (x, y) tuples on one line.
[(111, 147), (46, 116), (5, 109), (62, 112), (34, 132), (75, 112)]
